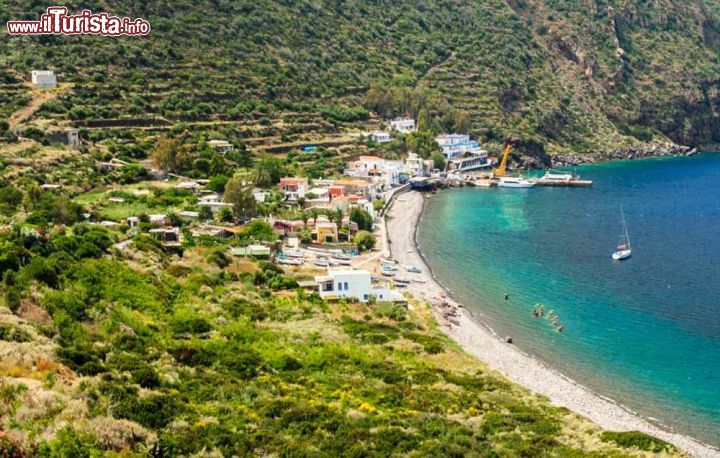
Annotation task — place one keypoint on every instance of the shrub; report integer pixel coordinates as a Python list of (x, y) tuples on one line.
[(630, 439), (391, 310), (69, 443), (13, 334), (365, 241), (154, 411), (189, 323), (243, 362), (146, 377)]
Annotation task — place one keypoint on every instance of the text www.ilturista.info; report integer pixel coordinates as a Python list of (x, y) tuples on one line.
[(56, 21)]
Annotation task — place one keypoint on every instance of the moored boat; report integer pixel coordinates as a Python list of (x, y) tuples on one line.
[(623, 250), (515, 182)]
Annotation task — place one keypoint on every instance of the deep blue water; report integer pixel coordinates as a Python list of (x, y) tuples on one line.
[(646, 331)]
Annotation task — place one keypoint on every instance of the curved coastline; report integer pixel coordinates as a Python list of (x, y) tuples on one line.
[(478, 339)]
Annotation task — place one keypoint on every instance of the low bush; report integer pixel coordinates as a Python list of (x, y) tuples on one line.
[(636, 439)]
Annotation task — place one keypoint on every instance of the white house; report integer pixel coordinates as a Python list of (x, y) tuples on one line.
[(404, 126), (353, 284), (384, 172), (380, 137), (293, 188), (189, 185), (456, 146), (417, 166), (44, 78), (214, 205), (221, 146)]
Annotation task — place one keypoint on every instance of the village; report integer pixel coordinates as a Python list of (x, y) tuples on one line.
[(328, 231)]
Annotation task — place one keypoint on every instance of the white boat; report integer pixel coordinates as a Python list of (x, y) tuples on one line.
[(515, 182), (623, 250), (402, 280), (293, 253), (343, 261), (413, 269), (389, 267), (558, 176), (290, 262)]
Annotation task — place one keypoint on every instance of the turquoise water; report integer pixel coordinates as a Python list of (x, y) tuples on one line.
[(646, 331)]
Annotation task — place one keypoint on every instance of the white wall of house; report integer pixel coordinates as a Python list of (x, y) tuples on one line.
[(43, 78), (353, 284), (404, 126)]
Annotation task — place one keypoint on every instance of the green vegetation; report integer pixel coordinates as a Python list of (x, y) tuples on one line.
[(636, 439), (118, 341), (550, 72), (180, 355)]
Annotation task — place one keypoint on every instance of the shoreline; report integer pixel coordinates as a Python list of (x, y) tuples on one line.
[(479, 340)]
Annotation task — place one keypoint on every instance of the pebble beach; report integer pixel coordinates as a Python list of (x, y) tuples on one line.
[(468, 330)]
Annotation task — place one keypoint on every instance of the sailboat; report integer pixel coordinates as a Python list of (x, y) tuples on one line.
[(623, 250)]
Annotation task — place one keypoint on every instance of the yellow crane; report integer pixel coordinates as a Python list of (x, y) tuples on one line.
[(499, 171)]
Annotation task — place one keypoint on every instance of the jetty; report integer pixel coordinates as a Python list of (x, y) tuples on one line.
[(573, 183)]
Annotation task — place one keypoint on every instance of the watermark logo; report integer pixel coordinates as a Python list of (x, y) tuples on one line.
[(56, 21)]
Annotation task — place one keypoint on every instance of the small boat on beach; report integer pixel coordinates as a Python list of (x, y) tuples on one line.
[(623, 250), (413, 269), (290, 262), (515, 182), (293, 253), (402, 280)]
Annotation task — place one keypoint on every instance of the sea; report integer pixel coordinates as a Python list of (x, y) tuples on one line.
[(645, 331)]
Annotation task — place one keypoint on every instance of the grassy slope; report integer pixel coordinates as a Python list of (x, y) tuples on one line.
[(188, 359), (539, 70)]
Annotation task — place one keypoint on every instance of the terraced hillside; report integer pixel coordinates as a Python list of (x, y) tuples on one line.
[(570, 75)]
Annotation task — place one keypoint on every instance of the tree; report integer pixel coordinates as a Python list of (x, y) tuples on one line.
[(363, 219), (423, 122), (462, 122), (336, 216), (171, 154), (240, 196), (438, 160), (225, 215), (313, 213), (260, 230), (365, 240), (267, 171), (422, 143), (205, 214), (217, 183)]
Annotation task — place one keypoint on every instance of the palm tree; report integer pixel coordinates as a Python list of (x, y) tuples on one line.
[(336, 216), (314, 213)]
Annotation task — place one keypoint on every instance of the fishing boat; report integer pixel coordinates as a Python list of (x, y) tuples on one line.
[(342, 261), (293, 253), (623, 250), (555, 176), (515, 182)]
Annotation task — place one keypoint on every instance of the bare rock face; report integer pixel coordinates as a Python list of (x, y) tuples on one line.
[(633, 152), (529, 154)]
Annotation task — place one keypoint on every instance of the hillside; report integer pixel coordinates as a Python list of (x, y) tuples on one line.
[(570, 76), (131, 324)]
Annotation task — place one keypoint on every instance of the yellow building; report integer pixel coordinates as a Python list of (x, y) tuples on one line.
[(326, 232)]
